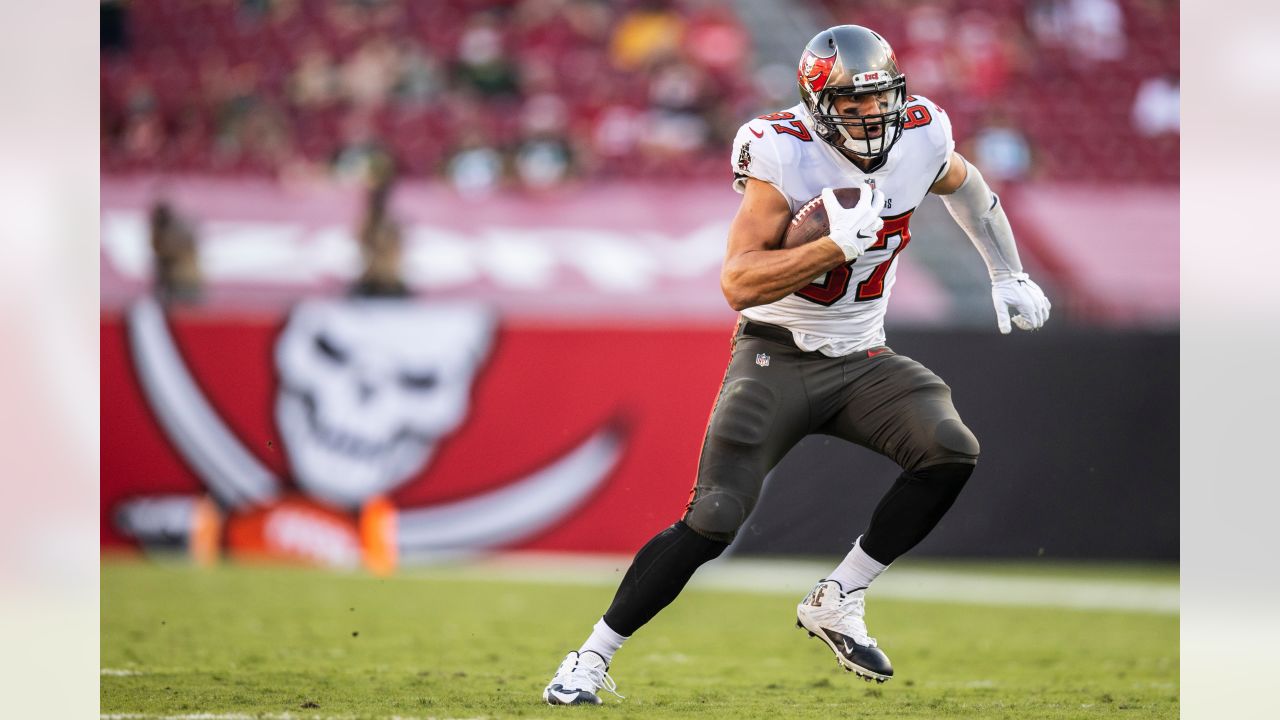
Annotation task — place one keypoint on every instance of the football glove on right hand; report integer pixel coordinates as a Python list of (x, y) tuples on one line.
[(854, 229), (1018, 292)]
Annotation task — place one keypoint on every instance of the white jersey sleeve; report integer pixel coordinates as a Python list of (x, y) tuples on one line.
[(756, 156), (933, 120)]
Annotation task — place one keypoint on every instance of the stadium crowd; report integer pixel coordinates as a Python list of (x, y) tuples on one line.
[(535, 93)]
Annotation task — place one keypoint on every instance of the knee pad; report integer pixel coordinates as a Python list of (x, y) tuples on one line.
[(953, 437), (744, 414), (718, 514), (953, 442)]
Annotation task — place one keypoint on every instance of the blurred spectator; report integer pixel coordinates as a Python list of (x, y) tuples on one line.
[(543, 162), (370, 73), (142, 136), (928, 26), (447, 89), (589, 19), (482, 65), (381, 246), (264, 138), (676, 126), (715, 40), (346, 20), (421, 77), (173, 247), (1092, 29), (670, 136), (616, 134), (544, 158), (678, 87), (926, 52), (643, 88), (314, 82), (1098, 29), (1002, 152), (477, 168), (984, 63), (238, 115), (1157, 105), (648, 34)]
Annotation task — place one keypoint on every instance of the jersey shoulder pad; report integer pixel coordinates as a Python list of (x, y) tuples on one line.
[(760, 151), (925, 116)]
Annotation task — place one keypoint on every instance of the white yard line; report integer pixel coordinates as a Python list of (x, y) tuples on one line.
[(961, 587), (797, 577)]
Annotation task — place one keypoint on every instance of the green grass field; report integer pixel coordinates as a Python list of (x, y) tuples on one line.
[(270, 642)]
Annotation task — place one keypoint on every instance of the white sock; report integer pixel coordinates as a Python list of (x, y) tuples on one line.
[(857, 570), (603, 642)]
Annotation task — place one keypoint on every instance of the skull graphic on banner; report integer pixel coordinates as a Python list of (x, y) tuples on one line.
[(368, 388)]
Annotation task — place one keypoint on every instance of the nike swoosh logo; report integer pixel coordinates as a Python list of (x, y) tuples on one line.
[(757, 134), (848, 649), (873, 353), (563, 697)]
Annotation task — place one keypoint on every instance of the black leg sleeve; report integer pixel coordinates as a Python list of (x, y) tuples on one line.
[(911, 509), (657, 575)]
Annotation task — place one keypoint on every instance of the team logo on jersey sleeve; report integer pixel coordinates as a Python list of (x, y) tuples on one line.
[(815, 71), (744, 157)]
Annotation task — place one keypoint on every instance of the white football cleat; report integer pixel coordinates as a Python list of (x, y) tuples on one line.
[(837, 617), (578, 679)]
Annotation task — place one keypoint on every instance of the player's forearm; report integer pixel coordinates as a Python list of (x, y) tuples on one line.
[(763, 276), (980, 214)]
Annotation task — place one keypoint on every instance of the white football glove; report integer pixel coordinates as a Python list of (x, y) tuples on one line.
[(854, 229), (1025, 297)]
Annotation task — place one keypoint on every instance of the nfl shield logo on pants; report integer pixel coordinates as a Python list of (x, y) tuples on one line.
[(762, 359)]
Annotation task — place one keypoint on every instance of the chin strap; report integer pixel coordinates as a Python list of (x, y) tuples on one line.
[(978, 211)]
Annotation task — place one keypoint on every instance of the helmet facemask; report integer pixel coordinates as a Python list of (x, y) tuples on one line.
[(868, 136), (851, 60)]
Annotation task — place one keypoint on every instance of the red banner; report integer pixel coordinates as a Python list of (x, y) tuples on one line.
[(553, 437)]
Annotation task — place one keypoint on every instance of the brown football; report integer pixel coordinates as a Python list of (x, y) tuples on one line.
[(811, 223)]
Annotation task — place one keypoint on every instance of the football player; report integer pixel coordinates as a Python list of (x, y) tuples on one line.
[(809, 355)]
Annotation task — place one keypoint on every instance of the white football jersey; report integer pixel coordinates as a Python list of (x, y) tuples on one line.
[(843, 311)]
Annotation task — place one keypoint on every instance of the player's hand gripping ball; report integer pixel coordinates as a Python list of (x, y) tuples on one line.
[(850, 216)]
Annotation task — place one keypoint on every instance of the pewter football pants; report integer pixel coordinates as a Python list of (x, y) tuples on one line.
[(774, 394)]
